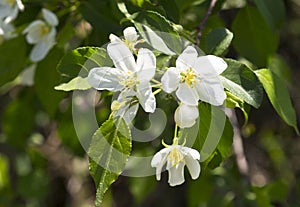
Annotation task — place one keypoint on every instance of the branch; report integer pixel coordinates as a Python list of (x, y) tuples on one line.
[(238, 147), (203, 22)]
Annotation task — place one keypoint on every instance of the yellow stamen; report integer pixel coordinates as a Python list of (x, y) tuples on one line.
[(175, 157), (189, 77)]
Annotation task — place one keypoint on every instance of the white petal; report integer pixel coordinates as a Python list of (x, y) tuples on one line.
[(34, 31), (128, 112), (50, 17), (4, 11), (40, 50), (159, 160), (187, 58), (121, 56), (106, 78), (146, 97), (209, 65), (187, 94), (20, 5), (146, 64), (185, 116), (211, 91), (12, 15), (130, 34), (170, 80), (191, 152), (114, 38), (193, 167), (176, 174)]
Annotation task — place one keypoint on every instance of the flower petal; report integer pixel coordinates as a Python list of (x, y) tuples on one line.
[(159, 160), (191, 152), (146, 64), (130, 34), (185, 116), (40, 50), (114, 38), (193, 167), (211, 91), (187, 58), (128, 112), (170, 80), (146, 97), (209, 65), (176, 174), (121, 56), (20, 5), (50, 17), (106, 78), (187, 94), (33, 31)]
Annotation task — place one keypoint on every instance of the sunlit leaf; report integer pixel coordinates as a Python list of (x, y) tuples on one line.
[(242, 82), (109, 150), (77, 83), (278, 96)]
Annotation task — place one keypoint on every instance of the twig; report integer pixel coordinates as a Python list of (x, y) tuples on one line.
[(238, 148), (203, 22)]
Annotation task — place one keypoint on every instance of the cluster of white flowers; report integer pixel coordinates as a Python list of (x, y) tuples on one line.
[(193, 79), (9, 10), (42, 35)]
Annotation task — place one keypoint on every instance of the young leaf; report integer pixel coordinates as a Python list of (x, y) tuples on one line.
[(77, 83), (278, 96), (109, 150), (253, 40), (80, 61), (217, 41), (242, 82)]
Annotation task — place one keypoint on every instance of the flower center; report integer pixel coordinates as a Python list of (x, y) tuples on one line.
[(189, 77), (130, 81), (10, 2), (45, 29), (175, 157)]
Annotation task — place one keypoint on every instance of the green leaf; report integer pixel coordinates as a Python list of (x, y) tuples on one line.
[(217, 41), (46, 77), (278, 96), (273, 11), (109, 150), (214, 135), (234, 102), (254, 40), (242, 82), (77, 83), (12, 50), (19, 118), (80, 61), (159, 32)]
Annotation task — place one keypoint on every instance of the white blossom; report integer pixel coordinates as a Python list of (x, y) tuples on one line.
[(7, 30), (42, 35), (130, 38), (195, 78), (9, 9), (129, 77), (176, 157)]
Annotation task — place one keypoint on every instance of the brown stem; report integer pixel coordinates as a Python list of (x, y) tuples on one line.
[(203, 22), (238, 147)]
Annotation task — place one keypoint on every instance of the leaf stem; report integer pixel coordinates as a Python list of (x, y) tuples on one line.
[(204, 20), (157, 91)]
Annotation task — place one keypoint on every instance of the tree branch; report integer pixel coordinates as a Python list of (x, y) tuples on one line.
[(238, 147), (203, 22)]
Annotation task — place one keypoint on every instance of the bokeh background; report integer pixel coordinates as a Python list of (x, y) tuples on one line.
[(43, 164)]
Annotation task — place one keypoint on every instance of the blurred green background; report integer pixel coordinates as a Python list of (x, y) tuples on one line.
[(42, 162)]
